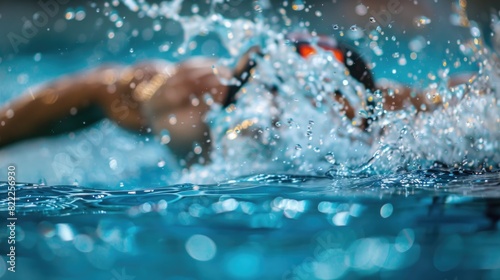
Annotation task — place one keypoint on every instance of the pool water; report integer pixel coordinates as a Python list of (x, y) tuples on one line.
[(435, 223), (311, 197)]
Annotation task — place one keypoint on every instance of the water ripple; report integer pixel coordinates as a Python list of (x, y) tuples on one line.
[(61, 200)]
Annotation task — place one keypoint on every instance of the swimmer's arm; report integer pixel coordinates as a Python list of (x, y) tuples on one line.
[(398, 96), (61, 106)]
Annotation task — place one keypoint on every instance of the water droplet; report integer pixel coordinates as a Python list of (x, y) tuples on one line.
[(131, 4), (80, 14), (23, 78), (70, 14), (417, 44), (195, 9), (335, 26), (330, 158), (113, 16), (197, 149), (9, 114), (361, 10), (298, 147), (298, 5), (113, 164), (475, 32), (372, 19), (172, 119), (165, 137), (194, 101), (164, 47), (404, 130), (422, 20), (156, 25), (402, 61)]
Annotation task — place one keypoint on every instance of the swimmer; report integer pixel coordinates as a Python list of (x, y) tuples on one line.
[(155, 96)]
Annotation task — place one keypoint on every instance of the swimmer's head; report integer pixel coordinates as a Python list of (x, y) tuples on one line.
[(356, 66), (302, 43)]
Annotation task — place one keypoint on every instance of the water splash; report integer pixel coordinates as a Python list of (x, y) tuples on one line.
[(288, 102), (274, 110)]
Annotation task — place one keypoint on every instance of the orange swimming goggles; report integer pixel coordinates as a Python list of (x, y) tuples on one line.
[(302, 42), (305, 50), (358, 68)]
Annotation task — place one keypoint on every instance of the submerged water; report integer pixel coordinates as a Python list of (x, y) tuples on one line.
[(304, 196)]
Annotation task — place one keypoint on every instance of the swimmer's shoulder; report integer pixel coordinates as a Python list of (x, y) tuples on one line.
[(152, 67), (197, 62)]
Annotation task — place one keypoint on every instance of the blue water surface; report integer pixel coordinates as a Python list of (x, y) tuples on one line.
[(435, 223)]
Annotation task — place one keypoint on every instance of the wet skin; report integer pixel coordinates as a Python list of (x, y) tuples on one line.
[(145, 98)]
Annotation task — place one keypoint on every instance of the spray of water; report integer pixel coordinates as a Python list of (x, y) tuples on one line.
[(286, 120), (464, 132)]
